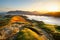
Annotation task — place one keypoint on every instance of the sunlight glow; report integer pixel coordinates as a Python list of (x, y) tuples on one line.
[(52, 7)]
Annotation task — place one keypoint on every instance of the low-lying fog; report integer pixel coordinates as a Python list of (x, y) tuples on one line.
[(46, 19)]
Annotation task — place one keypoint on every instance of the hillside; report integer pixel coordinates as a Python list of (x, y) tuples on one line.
[(17, 19), (55, 14)]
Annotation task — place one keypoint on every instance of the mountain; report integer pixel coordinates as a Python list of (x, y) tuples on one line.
[(54, 14), (21, 12)]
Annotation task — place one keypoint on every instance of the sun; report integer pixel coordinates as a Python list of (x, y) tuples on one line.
[(51, 8)]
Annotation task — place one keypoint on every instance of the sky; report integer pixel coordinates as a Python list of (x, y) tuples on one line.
[(30, 5)]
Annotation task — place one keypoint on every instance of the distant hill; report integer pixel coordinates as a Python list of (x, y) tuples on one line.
[(55, 14), (21, 12)]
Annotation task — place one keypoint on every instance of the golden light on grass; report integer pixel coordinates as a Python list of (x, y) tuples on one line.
[(17, 19)]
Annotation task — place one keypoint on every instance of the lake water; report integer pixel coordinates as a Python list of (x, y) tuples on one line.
[(46, 19)]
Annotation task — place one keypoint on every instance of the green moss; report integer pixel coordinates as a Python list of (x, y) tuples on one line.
[(58, 28)]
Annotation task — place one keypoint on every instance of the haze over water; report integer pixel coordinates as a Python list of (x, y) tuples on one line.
[(46, 19)]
